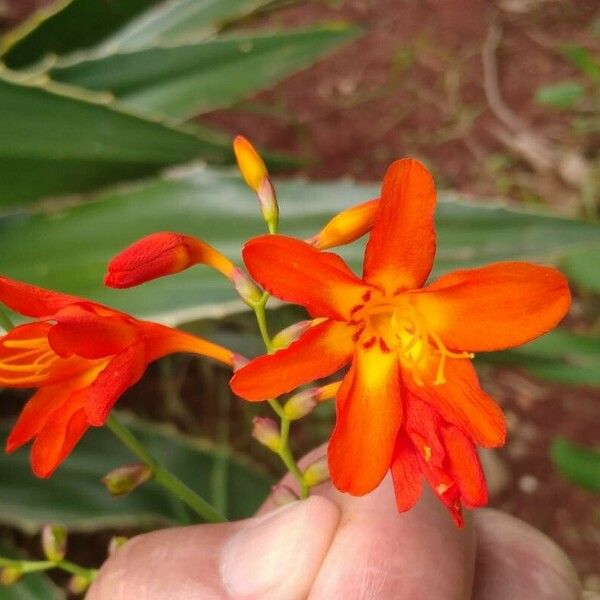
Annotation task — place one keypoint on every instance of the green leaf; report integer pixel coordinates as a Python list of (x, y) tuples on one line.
[(561, 95), (33, 586), (65, 26), (68, 248), (74, 495), (584, 60), (182, 81), (54, 141), (176, 20), (561, 356), (578, 464), (582, 268)]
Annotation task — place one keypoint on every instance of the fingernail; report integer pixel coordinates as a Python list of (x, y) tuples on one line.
[(279, 551)]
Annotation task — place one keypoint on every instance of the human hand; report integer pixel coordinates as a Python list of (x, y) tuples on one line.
[(336, 546)]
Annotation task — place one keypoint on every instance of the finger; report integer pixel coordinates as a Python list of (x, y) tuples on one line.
[(519, 562), (378, 553), (275, 555)]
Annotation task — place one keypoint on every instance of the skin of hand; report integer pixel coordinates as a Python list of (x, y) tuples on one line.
[(338, 546)]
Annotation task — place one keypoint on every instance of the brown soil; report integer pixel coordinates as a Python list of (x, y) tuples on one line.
[(413, 85)]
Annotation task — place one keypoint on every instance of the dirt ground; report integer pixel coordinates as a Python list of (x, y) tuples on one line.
[(453, 82)]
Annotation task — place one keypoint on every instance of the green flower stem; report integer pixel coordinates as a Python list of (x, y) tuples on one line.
[(284, 452), (163, 476), (34, 566)]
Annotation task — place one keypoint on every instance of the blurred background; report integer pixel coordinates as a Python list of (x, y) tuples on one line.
[(109, 116)]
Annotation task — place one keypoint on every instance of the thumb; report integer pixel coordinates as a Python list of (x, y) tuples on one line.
[(275, 555)]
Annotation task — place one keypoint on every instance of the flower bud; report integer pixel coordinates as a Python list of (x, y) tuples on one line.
[(54, 542), (268, 204), (317, 472), (255, 173), (300, 404), (265, 430), (116, 541), (78, 584), (161, 254), (282, 494), (10, 575), (123, 480), (290, 334), (245, 287), (251, 165), (328, 391), (347, 226)]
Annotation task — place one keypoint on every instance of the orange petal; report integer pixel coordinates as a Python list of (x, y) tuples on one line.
[(347, 226), (406, 474), (494, 307), (161, 254), (321, 351), (465, 467), (82, 332), (400, 251), (296, 272), (462, 402), (30, 300), (369, 414), (123, 371), (58, 436)]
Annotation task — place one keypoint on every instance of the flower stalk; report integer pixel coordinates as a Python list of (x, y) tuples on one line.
[(163, 476)]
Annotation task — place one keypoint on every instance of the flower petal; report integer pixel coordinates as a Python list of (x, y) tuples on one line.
[(30, 300), (319, 352), (406, 474), (494, 307), (401, 248), (465, 467), (58, 436), (123, 371), (369, 414), (80, 331), (296, 272), (462, 402)]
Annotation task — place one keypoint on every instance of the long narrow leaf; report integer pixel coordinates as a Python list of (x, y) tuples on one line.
[(183, 80), (52, 142)]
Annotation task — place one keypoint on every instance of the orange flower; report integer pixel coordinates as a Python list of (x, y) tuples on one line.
[(81, 356), (411, 401)]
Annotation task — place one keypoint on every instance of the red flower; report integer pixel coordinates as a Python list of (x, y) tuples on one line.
[(411, 400), (81, 356)]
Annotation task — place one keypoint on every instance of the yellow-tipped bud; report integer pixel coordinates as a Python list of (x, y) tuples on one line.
[(290, 334), (317, 472), (300, 404), (249, 292), (251, 164), (328, 392), (255, 173), (123, 480), (78, 584), (347, 226), (282, 494), (116, 541), (10, 575), (54, 542), (265, 430)]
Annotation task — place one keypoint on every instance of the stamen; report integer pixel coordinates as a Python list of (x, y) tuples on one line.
[(30, 363)]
